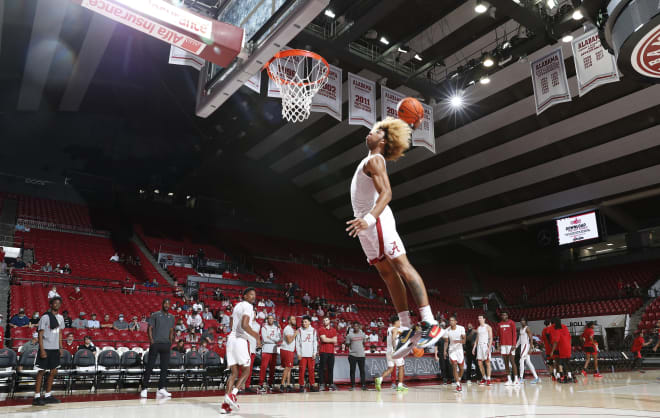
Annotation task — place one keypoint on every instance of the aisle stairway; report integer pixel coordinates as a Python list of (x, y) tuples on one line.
[(147, 254)]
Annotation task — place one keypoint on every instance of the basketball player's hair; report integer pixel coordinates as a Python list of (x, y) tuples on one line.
[(307, 318), (394, 318), (248, 290), (590, 324), (289, 318), (523, 318), (546, 322), (397, 137), (453, 316), (556, 322), (481, 316)]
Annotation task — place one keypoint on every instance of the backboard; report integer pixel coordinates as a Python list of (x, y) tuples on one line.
[(269, 25)]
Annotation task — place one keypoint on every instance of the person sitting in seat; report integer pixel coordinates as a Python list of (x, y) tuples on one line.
[(47, 268), (34, 321), (134, 325), (93, 323), (69, 344), (53, 293), (115, 258), (80, 322), (66, 269), (120, 324), (179, 347), (88, 345), (144, 324), (128, 286), (207, 315), (30, 345), (76, 295), (107, 323), (180, 326), (195, 322), (68, 322), (203, 348), (19, 320)]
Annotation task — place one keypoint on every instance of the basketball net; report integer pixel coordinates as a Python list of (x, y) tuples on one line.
[(300, 75)]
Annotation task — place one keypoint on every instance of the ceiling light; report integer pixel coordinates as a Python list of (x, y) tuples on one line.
[(383, 40), (188, 197), (170, 194), (577, 15), (506, 45), (488, 62), (590, 248), (141, 191), (156, 191), (417, 57), (516, 1), (480, 7), (552, 3), (484, 80), (456, 101), (609, 244), (404, 49), (567, 38), (330, 13)]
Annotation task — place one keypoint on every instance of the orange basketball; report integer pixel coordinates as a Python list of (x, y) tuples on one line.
[(418, 352), (410, 110)]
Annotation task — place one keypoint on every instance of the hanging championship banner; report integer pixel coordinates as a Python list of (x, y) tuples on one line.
[(361, 101), (273, 88), (328, 99), (594, 66), (254, 83), (549, 81), (179, 56), (389, 101), (424, 136)]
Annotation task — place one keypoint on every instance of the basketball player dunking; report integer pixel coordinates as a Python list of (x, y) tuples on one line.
[(374, 225)]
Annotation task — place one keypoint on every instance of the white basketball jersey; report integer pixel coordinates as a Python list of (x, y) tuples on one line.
[(524, 338), (455, 335), (482, 333), (389, 339), (241, 309), (363, 191)]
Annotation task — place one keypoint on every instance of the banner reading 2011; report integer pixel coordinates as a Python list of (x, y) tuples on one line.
[(549, 81), (361, 101)]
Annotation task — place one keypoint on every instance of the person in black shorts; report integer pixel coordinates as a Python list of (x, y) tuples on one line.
[(50, 345)]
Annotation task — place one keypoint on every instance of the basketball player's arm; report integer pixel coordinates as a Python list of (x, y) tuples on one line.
[(375, 167), (530, 338), (245, 323), (490, 338), (654, 348), (476, 343)]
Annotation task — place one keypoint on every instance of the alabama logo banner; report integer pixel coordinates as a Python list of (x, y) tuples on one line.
[(254, 83), (549, 80), (179, 56), (328, 99), (594, 66), (361, 101), (424, 136), (389, 102)]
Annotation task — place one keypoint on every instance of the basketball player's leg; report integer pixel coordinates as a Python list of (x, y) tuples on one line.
[(480, 363), (245, 373), (488, 369), (412, 278), (231, 381), (397, 290)]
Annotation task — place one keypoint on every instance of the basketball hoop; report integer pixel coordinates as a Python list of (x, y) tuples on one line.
[(300, 75)]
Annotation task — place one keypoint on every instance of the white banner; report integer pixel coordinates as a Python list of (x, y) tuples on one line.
[(328, 99), (361, 101), (254, 83), (389, 101), (179, 56), (594, 66), (424, 136), (549, 81), (273, 89)]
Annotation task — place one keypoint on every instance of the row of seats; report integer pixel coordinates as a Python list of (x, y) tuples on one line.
[(651, 315), (576, 310), (158, 240)]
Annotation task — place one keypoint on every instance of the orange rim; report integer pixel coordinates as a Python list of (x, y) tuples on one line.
[(299, 53)]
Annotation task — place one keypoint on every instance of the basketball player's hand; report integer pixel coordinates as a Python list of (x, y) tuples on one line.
[(42, 354), (445, 356), (355, 226)]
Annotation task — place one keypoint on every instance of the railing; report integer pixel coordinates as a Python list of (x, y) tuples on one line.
[(51, 226), (32, 277)]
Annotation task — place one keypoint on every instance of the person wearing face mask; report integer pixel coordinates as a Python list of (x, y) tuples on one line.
[(19, 320), (69, 344), (471, 359), (34, 321)]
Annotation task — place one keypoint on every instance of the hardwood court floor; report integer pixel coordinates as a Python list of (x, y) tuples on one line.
[(626, 394)]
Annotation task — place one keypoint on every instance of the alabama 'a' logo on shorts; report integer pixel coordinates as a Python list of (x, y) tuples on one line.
[(395, 248)]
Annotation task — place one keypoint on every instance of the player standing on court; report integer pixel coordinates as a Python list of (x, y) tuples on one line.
[(455, 336), (328, 337), (483, 347), (590, 346), (287, 351), (546, 337), (270, 336), (238, 352), (307, 348), (374, 225), (507, 333), (392, 364), (50, 345), (525, 343), (561, 341)]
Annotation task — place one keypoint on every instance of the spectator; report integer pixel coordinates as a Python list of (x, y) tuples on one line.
[(180, 326), (115, 258), (270, 303), (19, 263), (134, 325), (261, 304), (355, 340), (120, 324), (203, 347), (34, 321), (292, 299), (380, 323), (341, 309), (197, 307), (76, 295), (195, 322), (67, 319), (341, 324), (87, 345), (192, 338), (30, 345), (373, 337), (178, 292), (93, 323), (144, 325), (217, 294), (306, 299), (107, 323), (209, 335), (53, 293), (224, 319), (128, 286), (261, 315), (20, 320), (180, 347), (58, 268), (48, 268), (69, 344), (80, 322), (372, 324), (320, 312), (207, 316), (66, 269), (154, 282)]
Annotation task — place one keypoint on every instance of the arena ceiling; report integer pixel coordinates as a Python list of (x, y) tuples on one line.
[(498, 165)]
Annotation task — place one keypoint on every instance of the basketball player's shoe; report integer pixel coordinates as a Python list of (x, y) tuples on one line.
[(232, 401), (458, 387), (598, 374), (431, 332), (535, 381), (482, 382), (225, 409), (407, 340), (377, 382), (402, 388)]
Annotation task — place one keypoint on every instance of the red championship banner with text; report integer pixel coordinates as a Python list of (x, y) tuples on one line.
[(328, 99), (254, 83), (212, 40), (424, 136), (549, 81), (361, 101), (594, 66)]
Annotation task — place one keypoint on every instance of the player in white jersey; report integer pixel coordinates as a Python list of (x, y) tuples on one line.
[(483, 347), (374, 225), (238, 351), (525, 343), (455, 336), (392, 336)]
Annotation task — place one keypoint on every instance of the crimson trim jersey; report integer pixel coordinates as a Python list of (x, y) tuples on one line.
[(507, 332)]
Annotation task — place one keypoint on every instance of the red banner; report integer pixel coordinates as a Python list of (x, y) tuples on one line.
[(212, 40)]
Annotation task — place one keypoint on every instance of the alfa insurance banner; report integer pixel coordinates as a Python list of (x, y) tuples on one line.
[(424, 136), (594, 66), (328, 99), (361, 101), (549, 81)]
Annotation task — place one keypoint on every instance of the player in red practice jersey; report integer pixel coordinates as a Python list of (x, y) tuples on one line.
[(657, 325), (590, 348), (561, 340), (637, 346), (506, 330), (546, 337)]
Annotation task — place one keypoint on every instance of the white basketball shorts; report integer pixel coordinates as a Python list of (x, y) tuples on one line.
[(456, 356), (381, 239), (399, 362), (238, 351), (483, 352), (505, 350)]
